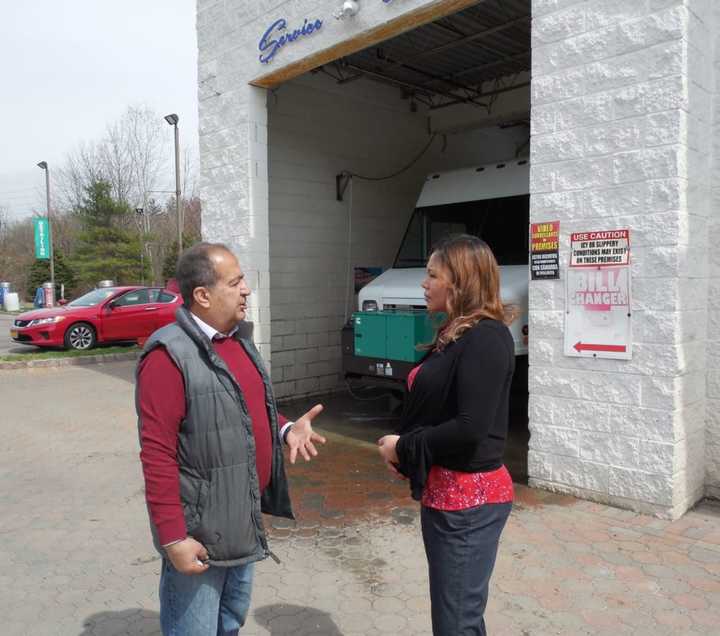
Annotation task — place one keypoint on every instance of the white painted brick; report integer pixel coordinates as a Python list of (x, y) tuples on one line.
[(581, 414), (635, 484), (543, 119), (546, 297), (638, 66), (610, 448), (643, 423), (608, 12), (548, 206), (540, 465), (590, 173), (541, 7), (672, 392), (559, 25), (548, 323), (558, 441), (653, 29), (608, 388), (563, 85), (612, 138), (559, 146), (542, 351), (575, 51), (624, 199), (584, 111), (666, 327), (579, 473), (656, 294), (644, 165)]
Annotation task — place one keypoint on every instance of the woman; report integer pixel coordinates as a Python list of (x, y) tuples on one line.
[(453, 431)]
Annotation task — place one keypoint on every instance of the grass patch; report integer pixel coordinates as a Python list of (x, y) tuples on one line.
[(48, 354)]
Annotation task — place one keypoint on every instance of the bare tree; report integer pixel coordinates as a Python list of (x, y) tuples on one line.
[(131, 156)]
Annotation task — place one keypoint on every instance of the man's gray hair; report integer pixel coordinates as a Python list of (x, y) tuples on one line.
[(196, 269)]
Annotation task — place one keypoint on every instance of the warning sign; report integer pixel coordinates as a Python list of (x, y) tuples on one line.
[(544, 259), (593, 249), (597, 317)]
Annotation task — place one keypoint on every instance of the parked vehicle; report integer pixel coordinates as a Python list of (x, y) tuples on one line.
[(492, 202), (106, 314)]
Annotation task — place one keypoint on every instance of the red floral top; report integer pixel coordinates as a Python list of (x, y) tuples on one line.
[(448, 489)]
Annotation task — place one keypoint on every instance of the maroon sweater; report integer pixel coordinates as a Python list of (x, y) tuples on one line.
[(162, 409)]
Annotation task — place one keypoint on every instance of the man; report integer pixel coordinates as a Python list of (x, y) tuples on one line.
[(210, 437)]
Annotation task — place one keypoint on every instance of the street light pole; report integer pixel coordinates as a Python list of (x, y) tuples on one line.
[(173, 121), (43, 165), (140, 212)]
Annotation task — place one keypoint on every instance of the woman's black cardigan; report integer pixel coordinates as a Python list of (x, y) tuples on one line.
[(456, 414)]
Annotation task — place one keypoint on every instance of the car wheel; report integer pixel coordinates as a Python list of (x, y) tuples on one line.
[(80, 336)]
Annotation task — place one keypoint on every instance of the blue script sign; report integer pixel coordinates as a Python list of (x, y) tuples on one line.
[(278, 36)]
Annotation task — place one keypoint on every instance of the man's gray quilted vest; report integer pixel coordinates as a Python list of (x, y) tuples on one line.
[(219, 486)]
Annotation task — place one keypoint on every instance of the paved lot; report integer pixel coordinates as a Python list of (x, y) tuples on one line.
[(78, 560), (6, 343)]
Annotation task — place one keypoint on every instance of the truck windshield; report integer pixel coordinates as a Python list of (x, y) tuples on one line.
[(502, 223)]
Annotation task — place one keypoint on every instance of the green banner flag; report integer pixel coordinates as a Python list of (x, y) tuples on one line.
[(42, 238)]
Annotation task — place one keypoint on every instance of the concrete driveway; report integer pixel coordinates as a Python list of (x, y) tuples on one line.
[(77, 557)]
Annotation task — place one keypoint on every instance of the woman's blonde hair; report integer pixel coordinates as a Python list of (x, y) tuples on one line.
[(473, 293)]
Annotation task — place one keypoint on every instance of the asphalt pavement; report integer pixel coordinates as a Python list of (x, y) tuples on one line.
[(77, 556), (6, 343)]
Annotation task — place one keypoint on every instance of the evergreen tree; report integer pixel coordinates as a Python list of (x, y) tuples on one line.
[(106, 249), (40, 273), (171, 256)]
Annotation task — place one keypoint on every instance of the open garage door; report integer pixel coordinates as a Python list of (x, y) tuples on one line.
[(372, 156)]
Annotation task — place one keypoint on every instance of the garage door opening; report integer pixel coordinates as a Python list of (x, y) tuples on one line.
[(375, 155)]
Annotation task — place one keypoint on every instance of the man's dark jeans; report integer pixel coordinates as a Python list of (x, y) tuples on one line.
[(461, 547)]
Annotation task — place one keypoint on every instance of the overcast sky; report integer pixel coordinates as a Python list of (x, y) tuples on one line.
[(70, 68)]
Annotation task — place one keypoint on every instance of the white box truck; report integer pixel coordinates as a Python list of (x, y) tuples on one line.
[(490, 201)]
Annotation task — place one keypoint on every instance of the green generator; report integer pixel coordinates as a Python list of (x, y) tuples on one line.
[(391, 335)]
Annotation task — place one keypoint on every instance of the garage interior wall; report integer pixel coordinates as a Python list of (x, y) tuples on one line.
[(619, 121), (316, 129), (712, 86)]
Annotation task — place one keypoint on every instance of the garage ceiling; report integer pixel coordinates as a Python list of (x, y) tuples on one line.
[(450, 61)]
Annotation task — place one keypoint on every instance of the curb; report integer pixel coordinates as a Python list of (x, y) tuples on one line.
[(68, 362)]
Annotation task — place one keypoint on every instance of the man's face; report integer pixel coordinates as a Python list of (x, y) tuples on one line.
[(227, 299)]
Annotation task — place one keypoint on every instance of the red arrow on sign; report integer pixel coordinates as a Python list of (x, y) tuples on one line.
[(579, 346)]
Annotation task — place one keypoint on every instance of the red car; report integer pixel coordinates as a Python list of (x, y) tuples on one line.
[(107, 314)]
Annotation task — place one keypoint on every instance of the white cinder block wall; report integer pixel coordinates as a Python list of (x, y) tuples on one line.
[(317, 129), (623, 107), (712, 438), (619, 105)]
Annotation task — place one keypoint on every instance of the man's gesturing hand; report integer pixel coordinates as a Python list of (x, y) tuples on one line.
[(301, 436), (187, 555)]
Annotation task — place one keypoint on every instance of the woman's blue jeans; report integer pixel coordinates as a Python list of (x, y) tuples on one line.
[(461, 547), (214, 602)]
